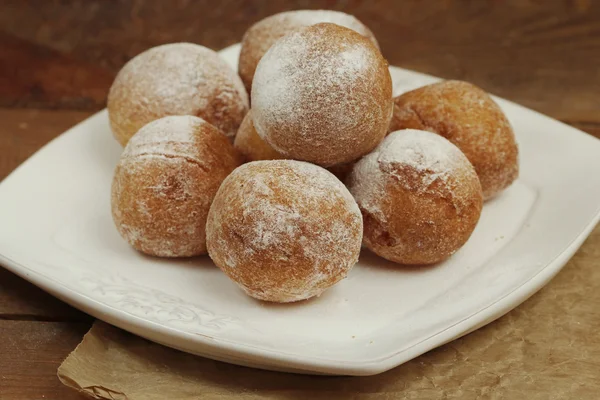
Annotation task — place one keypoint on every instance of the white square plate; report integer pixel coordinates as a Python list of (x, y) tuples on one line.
[(56, 231)]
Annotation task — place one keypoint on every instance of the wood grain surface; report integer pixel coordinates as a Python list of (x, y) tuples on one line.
[(31, 352), (542, 54), (58, 59)]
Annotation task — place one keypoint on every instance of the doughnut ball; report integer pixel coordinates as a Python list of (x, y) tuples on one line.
[(469, 118), (322, 94), (419, 196), (283, 230), (176, 79), (165, 182), (250, 145), (261, 36)]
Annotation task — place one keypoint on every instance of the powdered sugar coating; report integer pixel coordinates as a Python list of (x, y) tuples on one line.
[(262, 35), (284, 230), (419, 195), (176, 79), (428, 159), (164, 184), (322, 94), (469, 118)]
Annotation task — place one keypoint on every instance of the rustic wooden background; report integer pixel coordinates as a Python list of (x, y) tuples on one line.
[(58, 59)]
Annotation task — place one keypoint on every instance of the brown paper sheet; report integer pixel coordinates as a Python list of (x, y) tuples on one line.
[(548, 348)]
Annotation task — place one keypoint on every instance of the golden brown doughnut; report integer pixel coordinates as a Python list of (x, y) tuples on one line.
[(164, 184), (176, 79), (419, 195), (469, 118), (283, 230), (261, 36), (322, 94)]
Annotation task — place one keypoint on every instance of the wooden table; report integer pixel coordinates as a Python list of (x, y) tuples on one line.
[(57, 61)]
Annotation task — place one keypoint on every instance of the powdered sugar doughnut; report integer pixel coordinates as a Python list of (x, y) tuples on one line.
[(283, 230), (322, 94), (176, 79), (165, 182), (469, 118), (419, 195), (261, 36)]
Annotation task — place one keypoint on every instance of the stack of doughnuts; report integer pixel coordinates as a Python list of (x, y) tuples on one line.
[(283, 195)]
